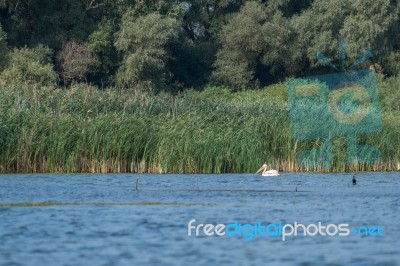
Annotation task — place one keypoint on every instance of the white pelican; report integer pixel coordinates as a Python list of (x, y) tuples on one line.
[(266, 172)]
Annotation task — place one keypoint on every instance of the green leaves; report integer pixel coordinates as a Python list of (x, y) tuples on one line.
[(101, 41), (175, 45), (283, 41), (152, 30), (30, 65), (254, 39), (145, 43), (242, 44), (364, 24)]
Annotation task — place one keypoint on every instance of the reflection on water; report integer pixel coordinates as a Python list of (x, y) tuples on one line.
[(104, 220)]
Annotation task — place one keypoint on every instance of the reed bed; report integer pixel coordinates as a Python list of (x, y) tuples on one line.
[(82, 129)]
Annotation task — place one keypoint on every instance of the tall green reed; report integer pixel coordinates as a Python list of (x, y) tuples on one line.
[(84, 129)]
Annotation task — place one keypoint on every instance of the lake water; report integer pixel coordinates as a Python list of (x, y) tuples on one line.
[(102, 219)]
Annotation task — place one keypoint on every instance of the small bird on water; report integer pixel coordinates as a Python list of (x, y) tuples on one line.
[(354, 180)]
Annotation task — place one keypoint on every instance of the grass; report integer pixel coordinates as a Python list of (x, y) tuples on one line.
[(84, 129)]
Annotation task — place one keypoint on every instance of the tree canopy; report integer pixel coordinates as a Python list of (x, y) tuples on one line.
[(174, 45)]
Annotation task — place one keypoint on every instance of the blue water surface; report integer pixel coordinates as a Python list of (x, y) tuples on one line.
[(103, 220)]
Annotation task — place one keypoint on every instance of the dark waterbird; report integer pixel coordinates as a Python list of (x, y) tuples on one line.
[(354, 180)]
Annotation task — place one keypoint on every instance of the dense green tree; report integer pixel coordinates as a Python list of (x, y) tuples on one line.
[(255, 44), (392, 64), (101, 42), (242, 45), (30, 65), (202, 23), (265, 42), (205, 18), (178, 44), (51, 23), (146, 51), (372, 25), (364, 24)]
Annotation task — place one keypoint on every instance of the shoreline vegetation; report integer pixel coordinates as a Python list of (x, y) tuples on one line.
[(83, 129), (188, 86)]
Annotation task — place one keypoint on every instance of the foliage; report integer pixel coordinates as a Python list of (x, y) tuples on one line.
[(51, 23), (150, 54), (84, 129), (101, 42), (364, 24), (146, 52), (392, 64), (243, 43), (390, 96), (272, 38), (30, 65)]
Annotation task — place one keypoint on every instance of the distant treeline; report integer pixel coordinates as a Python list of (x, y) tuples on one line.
[(84, 129), (165, 45)]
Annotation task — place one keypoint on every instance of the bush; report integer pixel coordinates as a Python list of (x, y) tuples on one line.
[(30, 65), (392, 64), (76, 62), (389, 95)]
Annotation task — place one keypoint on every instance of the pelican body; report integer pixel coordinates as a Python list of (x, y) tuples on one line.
[(266, 172), (270, 173)]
